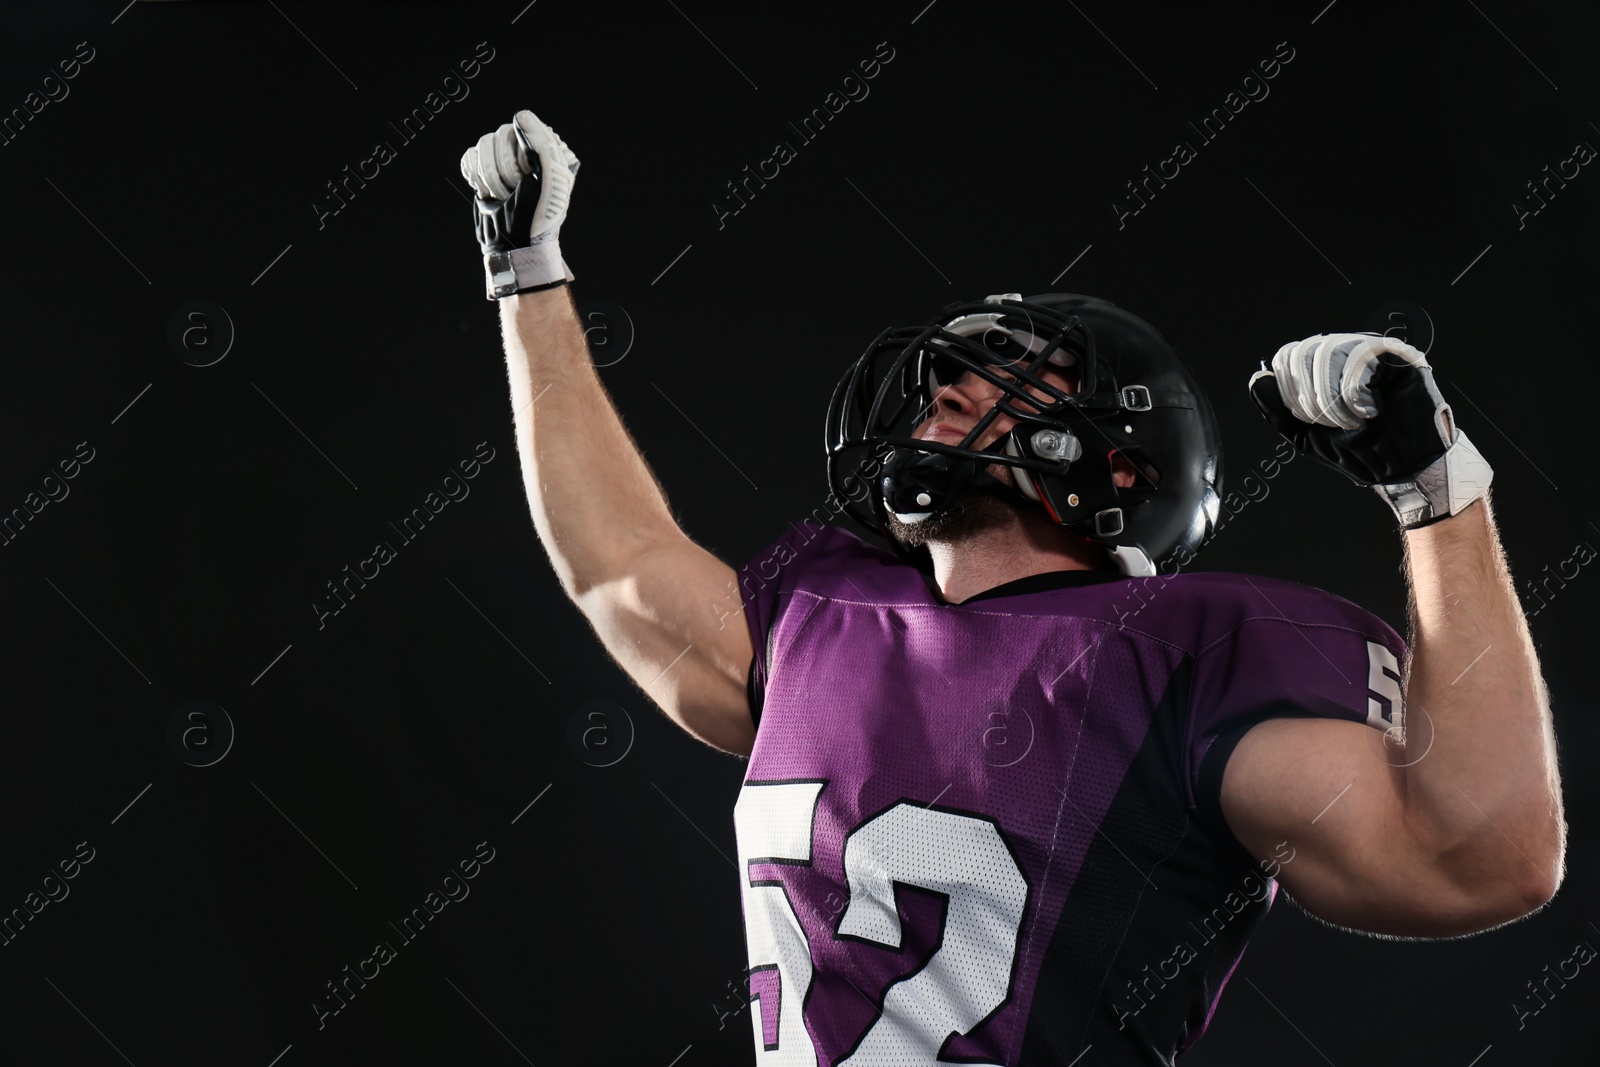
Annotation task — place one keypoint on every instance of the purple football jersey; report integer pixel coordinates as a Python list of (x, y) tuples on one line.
[(989, 832)]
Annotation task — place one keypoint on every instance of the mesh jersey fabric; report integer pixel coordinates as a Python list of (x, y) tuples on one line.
[(989, 832)]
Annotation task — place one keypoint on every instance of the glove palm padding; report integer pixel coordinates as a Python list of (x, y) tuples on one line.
[(505, 224)]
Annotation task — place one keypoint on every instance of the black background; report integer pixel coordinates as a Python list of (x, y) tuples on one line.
[(424, 718)]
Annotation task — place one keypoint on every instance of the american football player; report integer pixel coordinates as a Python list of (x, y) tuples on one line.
[(1022, 785)]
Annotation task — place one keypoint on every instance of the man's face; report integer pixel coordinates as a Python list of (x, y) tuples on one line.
[(959, 406), (956, 408)]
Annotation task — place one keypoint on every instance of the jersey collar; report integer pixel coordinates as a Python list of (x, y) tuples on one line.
[(1033, 583)]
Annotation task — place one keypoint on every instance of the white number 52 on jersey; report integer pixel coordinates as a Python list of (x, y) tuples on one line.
[(960, 856)]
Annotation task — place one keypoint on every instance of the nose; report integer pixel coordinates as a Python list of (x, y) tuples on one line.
[(968, 394)]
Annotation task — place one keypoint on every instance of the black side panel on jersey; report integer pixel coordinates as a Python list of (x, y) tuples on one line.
[(1153, 880), (752, 693), (1208, 787)]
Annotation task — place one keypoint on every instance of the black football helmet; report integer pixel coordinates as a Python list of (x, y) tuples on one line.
[(1134, 397)]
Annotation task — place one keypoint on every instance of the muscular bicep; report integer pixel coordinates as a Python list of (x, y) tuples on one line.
[(1335, 792), (676, 624)]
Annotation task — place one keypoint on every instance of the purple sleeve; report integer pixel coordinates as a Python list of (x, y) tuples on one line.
[(1288, 649), (764, 584)]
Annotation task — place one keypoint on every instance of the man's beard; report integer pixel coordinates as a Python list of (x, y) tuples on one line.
[(972, 512)]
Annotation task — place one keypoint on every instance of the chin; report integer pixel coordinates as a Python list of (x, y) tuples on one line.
[(970, 513)]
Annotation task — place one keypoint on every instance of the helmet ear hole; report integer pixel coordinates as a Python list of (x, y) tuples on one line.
[(1142, 470)]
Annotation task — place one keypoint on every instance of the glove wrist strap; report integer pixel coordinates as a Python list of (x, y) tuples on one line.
[(1450, 483), (523, 270)]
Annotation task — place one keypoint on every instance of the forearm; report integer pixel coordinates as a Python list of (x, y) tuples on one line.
[(1481, 781), (595, 503)]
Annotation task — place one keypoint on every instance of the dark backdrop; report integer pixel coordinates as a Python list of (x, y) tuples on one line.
[(371, 755)]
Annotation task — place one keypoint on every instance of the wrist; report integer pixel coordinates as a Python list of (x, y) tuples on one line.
[(1448, 485), (521, 270)]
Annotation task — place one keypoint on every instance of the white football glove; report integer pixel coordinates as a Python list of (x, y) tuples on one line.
[(1369, 407), (523, 175)]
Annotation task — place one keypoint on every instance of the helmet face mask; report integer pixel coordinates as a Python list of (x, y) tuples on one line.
[(1132, 398)]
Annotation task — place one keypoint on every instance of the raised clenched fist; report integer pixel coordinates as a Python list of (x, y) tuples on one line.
[(1368, 406), (523, 175)]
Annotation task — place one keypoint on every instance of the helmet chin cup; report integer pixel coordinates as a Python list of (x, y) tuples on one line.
[(918, 485)]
